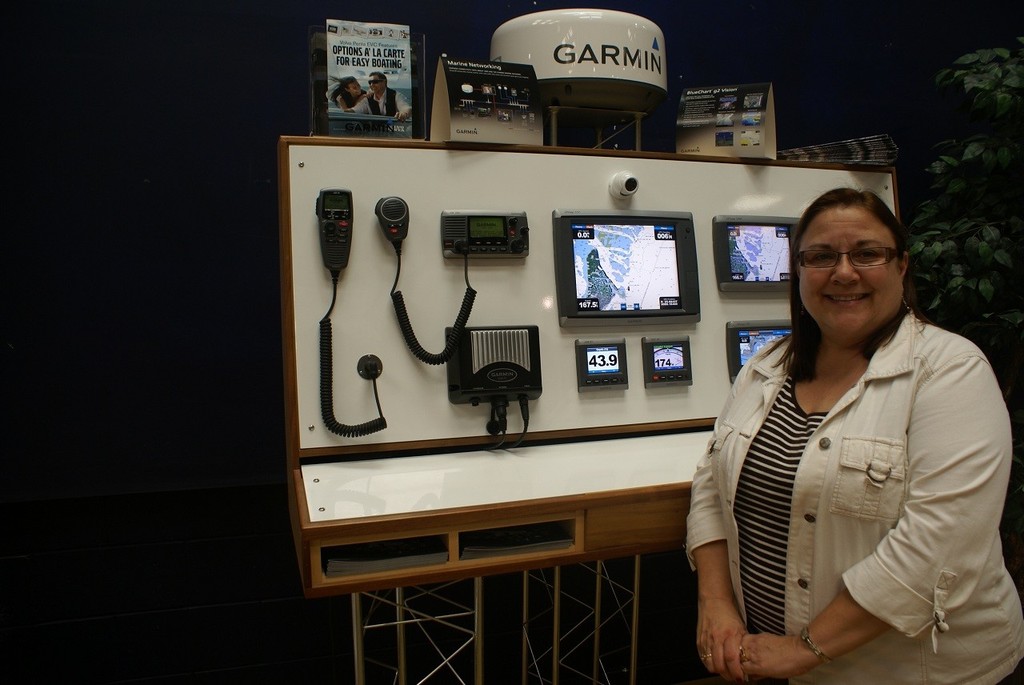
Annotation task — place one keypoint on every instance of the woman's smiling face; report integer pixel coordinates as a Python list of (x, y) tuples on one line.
[(850, 303)]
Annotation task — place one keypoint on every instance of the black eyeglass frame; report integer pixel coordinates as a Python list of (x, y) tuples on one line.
[(377, 80), (889, 252)]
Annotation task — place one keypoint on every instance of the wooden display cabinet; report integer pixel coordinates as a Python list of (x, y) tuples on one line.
[(611, 468)]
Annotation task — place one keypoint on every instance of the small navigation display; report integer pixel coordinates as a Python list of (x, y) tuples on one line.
[(752, 253), (744, 339), (667, 361), (601, 365), (626, 266)]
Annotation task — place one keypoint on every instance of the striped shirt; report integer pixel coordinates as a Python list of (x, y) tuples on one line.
[(764, 497)]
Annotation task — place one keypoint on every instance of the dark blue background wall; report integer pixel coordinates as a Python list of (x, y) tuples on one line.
[(145, 531), (140, 303)]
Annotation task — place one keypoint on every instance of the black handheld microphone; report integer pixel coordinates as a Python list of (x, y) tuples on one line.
[(334, 210), (393, 215)]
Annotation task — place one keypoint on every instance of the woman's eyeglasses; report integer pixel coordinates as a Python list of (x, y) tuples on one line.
[(862, 256)]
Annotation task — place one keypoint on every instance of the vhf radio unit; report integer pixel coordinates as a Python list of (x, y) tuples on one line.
[(484, 234), (334, 211)]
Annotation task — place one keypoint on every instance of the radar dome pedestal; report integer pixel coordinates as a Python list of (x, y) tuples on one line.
[(588, 58)]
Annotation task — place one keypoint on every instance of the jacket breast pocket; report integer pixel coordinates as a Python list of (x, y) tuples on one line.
[(871, 479)]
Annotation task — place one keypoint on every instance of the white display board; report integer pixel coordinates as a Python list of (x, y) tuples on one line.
[(511, 292)]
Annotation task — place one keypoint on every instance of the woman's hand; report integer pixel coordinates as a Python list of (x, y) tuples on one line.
[(719, 624), (841, 627), (720, 632), (762, 655)]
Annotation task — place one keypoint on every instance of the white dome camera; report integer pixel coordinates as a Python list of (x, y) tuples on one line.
[(623, 185)]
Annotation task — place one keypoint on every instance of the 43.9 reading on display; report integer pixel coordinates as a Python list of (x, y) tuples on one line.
[(603, 359), (601, 364)]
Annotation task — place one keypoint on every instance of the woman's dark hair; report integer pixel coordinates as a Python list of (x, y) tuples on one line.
[(342, 90), (802, 350)]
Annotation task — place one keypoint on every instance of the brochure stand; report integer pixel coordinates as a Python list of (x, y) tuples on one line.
[(325, 120), (727, 121), (485, 102)]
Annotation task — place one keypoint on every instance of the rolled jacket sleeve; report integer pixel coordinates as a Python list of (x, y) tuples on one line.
[(704, 522), (959, 454)]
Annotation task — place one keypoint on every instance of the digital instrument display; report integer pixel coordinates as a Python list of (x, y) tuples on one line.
[(601, 364), (602, 359), (667, 361), (624, 266), (744, 339), (752, 252)]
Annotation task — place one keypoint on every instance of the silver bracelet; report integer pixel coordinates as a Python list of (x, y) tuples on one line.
[(805, 635)]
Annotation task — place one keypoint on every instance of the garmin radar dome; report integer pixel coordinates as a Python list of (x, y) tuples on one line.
[(592, 58)]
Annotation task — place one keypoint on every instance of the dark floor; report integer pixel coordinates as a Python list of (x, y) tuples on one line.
[(203, 587)]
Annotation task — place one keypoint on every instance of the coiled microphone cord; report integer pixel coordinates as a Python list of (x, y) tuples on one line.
[(451, 343), (327, 383)]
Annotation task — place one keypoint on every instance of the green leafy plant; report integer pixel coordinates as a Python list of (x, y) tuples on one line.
[(968, 240)]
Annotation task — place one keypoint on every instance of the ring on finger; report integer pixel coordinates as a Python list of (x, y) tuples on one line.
[(744, 657), (705, 656)]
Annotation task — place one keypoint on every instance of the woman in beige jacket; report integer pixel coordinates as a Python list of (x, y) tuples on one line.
[(844, 521)]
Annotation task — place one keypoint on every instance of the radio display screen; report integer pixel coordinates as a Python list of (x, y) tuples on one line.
[(335, 201), (486, 227)]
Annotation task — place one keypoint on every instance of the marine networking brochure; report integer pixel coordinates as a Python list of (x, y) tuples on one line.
[(486, 102)]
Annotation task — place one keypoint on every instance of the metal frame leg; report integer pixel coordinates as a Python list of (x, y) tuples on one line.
[(403, 666), (478, 630), (556, 644), (598, 582), (464, 621), (622, 612), (634, 645), (357, 639)]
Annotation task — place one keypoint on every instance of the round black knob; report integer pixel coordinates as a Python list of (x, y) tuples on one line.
[(369, 366)]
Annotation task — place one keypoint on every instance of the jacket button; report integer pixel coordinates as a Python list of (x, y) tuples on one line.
[(803, 583), (810, 518), (824, 443)]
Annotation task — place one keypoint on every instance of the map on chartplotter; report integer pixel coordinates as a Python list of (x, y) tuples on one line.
[(759, 253), (626, 266), (751, 341)]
